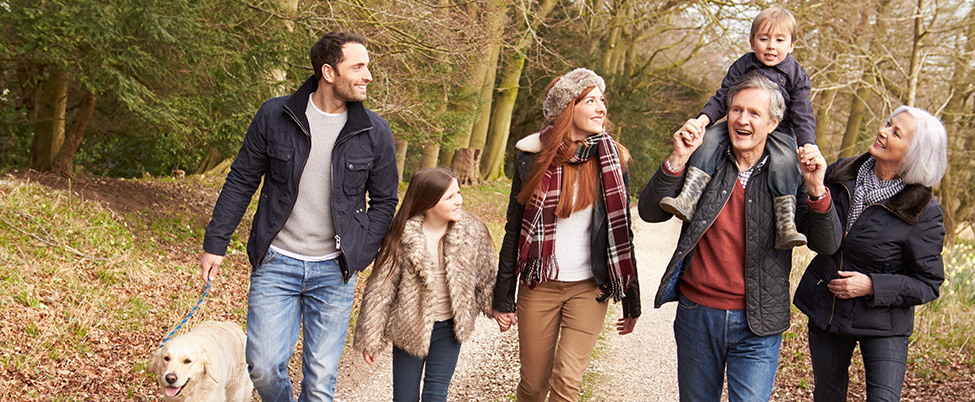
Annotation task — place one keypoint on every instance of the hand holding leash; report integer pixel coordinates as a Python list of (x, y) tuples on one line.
[(210, 266)]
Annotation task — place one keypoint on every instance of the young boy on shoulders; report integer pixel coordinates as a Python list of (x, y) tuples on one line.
[(772, 39)]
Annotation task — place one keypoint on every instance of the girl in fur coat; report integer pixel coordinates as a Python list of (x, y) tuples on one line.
[(435, 272)]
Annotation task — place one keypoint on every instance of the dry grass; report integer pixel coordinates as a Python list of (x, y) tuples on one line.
[(87, 292), (95, 273), (941, 360)]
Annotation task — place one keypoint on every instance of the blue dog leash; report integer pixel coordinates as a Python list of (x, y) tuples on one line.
[(207, 289)]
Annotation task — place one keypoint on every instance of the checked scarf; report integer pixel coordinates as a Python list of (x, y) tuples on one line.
[(536, 248), (870, 190)]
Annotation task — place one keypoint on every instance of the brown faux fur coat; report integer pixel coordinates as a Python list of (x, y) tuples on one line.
[(400, 309)]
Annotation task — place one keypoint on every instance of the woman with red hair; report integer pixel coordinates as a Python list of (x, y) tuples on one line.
[(567, 240)]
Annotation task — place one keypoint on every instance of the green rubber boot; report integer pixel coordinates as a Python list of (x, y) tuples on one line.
[(786, 235), (684, 205)]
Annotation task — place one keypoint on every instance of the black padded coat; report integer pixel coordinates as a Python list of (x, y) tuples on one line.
[(897, 243)]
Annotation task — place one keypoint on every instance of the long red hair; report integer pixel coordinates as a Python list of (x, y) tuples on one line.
[(586, 174)]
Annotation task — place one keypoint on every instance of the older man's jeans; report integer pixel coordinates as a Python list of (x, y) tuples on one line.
[(285, 292), (884, 361), (709, 341)]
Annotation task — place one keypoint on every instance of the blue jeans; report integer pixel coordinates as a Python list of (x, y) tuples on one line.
[(709, 341), (884, 361), (440, 363), (285, 292), (784, 173)]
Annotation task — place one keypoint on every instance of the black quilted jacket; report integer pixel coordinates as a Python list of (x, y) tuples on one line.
[(766, 269), (896, 242)]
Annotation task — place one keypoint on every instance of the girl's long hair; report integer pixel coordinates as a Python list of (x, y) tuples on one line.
[(424, 192), (588, 172)]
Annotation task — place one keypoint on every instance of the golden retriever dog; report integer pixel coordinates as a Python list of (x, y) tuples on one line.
[(205, 364)]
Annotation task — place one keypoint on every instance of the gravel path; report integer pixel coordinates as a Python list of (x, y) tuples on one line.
[(641, 366)]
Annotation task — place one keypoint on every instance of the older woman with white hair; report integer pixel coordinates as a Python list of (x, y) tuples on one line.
[(889, 260)]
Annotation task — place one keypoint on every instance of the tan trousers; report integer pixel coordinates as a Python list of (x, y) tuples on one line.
[(550, 361)]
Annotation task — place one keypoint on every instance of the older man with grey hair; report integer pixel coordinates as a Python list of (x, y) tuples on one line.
[(731, 284)]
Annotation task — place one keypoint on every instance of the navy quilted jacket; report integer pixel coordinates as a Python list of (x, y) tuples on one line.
[(766, 269)]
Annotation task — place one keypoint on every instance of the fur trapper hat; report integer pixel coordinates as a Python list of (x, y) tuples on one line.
[(568, 88)]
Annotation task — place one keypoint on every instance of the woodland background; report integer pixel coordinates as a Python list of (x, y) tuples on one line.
[(98, 259), (124, 88)]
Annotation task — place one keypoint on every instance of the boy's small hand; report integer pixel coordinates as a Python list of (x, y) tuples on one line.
[(703, 120), (685, 142), (813, 166), (694, 127)]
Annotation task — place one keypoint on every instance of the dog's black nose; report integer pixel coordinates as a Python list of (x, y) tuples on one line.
[(171, 378)]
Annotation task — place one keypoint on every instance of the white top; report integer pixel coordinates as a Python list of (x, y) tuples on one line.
[(572, 245)]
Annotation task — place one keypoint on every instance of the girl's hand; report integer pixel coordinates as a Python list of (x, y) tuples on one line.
[(505, 320), (369, 357), (625, 325)]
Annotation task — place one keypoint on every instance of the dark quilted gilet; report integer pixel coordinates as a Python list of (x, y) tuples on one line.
[(766, 269)]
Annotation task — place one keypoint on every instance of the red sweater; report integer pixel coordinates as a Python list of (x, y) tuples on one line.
[(716, 276)]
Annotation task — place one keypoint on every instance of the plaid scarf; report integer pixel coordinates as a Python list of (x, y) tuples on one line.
[(536, 248), (870, 190)]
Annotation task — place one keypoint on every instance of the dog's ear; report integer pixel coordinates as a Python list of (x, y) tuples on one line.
[(207, 369), (155, 362)]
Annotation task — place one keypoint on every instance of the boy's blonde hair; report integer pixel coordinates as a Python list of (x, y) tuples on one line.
[(775, 18)]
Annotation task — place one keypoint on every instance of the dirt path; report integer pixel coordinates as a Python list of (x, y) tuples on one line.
[(641, 366)]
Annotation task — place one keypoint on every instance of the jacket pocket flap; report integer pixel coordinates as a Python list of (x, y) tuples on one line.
[(280, 152), (359, 164)]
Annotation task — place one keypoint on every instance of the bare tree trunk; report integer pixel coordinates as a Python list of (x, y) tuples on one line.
[(464, 165), (863, 92), (430, 153), (916, 57), (495, 31), (953, 193), (493, 167), (278, 75), (822, 115), (401, 145), (825, 101), (501, 119), (49, 124), (609, 52), (65, 156), (857, 107), (210, 161), (486, 60)]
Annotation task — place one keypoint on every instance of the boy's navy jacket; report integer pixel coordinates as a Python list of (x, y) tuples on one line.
[(798, 120)]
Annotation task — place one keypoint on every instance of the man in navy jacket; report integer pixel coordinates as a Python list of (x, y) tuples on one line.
[(319, 152)]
